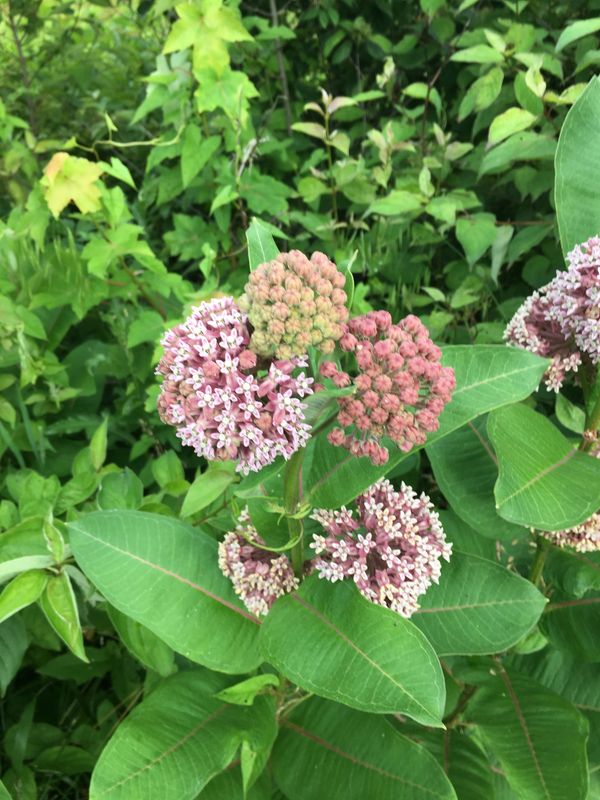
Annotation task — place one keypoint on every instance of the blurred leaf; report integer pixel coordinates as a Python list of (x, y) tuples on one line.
[(13, 644), (21, 592), (71, 179), (577, 30)]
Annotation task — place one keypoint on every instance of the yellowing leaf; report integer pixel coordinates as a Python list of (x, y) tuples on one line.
[(206, 27), (71, 179), (513, 120)]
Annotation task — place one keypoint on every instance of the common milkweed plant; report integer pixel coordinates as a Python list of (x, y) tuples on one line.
[(383, 582)]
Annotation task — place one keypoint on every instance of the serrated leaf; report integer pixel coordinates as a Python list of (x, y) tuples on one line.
[(332, 641), (68, 179)]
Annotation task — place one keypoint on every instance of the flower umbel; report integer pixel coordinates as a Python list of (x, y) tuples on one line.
[(401, 386), (561, 321), (585, 538), (391, 549), (220, 402), (294, 303), (258, 576)]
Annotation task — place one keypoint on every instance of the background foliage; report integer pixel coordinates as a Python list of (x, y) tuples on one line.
[(414, 143)]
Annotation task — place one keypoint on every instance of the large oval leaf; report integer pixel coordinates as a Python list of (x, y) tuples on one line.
[(573, 625), (577, 170), (177, 739), (543, 481), (164, 574), (538, 737), (487, 377), (355, 756), (466, 469), (328, 639), (464, 762), (478, 607)]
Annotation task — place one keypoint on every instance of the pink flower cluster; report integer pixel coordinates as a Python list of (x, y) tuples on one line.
[(294, 303), (219, 400), (391, 549), (561, 321), (258, 576), (401, 387), (585, 538)]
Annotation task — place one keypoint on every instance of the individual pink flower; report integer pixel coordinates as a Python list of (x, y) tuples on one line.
[(561, 321), (294, 303), (258, 576), (401, 387), (391, 548), (584, 538), (222, 402)]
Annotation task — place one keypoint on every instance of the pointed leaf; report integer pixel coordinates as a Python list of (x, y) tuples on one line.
[(164, 574), (21, 592), (577, 168), (330, 640), (60, 609), (355, 755), (144, 645), (13, 644), (478, 607), (261, 245)]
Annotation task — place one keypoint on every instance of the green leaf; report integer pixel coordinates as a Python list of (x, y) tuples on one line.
[(225, 195), (120, 490), (314, 129), (21, 592), (148, 327), (14, 566), (538, 737), (577, 168), (60, 609), (577, 30), (205, 490), (245, 692), (572, 625), (513, 120), (478, 54), (543, 481), (144, 645), (487, 376), (330, 640), (476, 235), (144, 562), (13, 644), (525, 146), (355, 755), (478, 607), (4, 795), (118, 170), (196, 152), (177, 739), (569, 415), (261, 245), (396, 202), (482, 93), (466, 469), (98, 444), (463, 761)]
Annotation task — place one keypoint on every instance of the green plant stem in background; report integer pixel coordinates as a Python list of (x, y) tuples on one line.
[(292, 494), (539, 560)]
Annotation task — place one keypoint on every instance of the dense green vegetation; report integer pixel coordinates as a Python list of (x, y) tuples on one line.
[(412, 142)]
